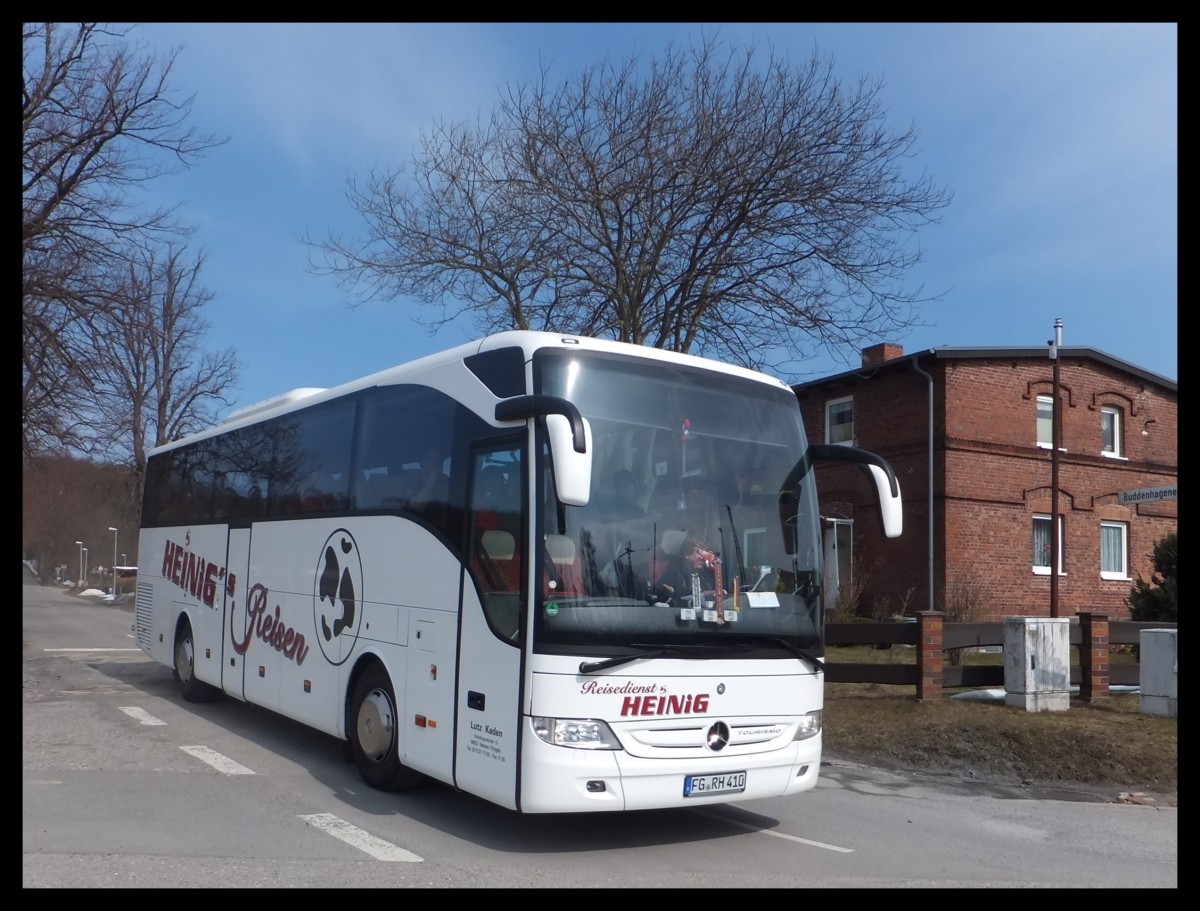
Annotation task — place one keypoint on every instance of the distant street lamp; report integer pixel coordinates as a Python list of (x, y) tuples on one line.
[(85, 559), (114, 591), (80, 543)]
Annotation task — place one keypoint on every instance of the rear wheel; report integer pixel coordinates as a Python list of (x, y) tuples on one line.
[(374, 738), (193, 690)]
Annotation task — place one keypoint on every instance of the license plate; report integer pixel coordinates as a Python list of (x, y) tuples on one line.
[(704, 785)]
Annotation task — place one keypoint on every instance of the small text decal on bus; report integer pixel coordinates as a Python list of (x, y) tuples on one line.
[(194, 574), (268, 628)]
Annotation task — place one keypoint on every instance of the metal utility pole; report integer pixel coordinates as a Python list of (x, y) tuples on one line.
[(929, 377), (1055, 445), (114, 566)]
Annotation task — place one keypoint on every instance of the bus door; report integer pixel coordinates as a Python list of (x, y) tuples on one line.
[(492, 618), (234, 616)]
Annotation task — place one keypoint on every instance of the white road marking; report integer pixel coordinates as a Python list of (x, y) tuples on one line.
[(91, 650), (140, 714), (327, 822), (221, 763), (762, 831), (357, 838)]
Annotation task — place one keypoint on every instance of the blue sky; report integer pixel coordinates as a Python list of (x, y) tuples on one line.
[(1058, 141)]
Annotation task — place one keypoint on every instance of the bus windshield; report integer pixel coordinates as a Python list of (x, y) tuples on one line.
[(702, 528)]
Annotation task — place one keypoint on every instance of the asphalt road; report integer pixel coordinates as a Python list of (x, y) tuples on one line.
[(125, 785)]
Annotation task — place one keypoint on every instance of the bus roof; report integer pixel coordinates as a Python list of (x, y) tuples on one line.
[(276, 401), (528, 340)]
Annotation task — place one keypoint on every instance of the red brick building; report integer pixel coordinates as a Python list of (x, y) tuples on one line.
[(975, 425)]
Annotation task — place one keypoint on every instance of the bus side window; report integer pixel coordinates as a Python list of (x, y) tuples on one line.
[(390, 491), (255, 505), (497, 566), (495, 552), (563, 567)]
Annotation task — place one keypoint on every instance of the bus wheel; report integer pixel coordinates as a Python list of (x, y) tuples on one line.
[(373, 737), (193, 690)]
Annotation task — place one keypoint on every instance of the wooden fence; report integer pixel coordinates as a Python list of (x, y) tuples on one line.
[(1092, 633)]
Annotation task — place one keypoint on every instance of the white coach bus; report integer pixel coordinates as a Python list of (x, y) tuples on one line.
[(428, 564)]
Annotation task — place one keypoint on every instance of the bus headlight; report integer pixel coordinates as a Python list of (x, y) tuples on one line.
[(578, 733), (810, 726)]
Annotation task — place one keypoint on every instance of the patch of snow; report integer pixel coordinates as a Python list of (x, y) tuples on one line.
[(997, 695)]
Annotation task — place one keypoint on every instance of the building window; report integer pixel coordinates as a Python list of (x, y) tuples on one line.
[(1110, 432), (1045, 421), (839, 421), (1114, 550), (1041, 545)]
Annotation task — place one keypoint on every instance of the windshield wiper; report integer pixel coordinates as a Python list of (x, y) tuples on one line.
[(762, 641), (817, 663), (586, 667)]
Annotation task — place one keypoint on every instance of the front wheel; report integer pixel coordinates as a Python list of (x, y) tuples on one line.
[(193, 690), (373, 735)]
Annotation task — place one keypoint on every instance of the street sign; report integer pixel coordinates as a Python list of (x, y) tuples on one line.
[(1148, 495)]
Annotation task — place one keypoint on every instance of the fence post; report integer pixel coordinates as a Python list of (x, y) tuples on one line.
[(929, 654), (1093, 656)]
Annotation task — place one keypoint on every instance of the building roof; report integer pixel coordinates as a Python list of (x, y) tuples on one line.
[(947, 352)]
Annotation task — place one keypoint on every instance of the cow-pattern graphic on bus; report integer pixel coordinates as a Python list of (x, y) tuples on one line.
[(337, 596)]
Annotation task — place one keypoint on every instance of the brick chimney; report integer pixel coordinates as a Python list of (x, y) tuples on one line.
[(884, 351)]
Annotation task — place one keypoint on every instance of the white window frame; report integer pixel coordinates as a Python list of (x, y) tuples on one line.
[(1114, 414), (1045, 422), (1045, 570), (753, 540), (830, 407), (1121, 529)]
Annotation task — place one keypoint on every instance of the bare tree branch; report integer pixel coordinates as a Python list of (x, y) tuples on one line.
[(154, 380), (708, 201), (98, 120)]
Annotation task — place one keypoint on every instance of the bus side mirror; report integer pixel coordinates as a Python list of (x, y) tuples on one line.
[(887, 486), (572, 470), (891, 512)]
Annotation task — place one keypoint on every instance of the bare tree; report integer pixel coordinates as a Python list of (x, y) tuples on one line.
[(67, 499), (703, 203), (154, 382), (97, 121)]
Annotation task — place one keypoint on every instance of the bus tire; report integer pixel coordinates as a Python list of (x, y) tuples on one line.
[(192, 689), (374, 734)]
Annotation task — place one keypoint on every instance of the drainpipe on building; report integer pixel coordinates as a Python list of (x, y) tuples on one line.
[(1055, 443), (927, 376)]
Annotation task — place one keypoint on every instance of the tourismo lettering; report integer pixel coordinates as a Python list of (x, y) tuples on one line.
[(268, 628), (194, 574), (665, 705)]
